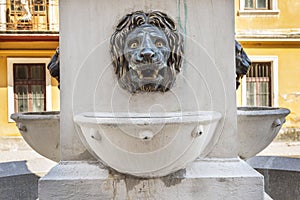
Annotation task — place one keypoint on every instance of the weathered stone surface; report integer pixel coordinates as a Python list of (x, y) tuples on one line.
[(204, 179), (257, 127), (205, 83)]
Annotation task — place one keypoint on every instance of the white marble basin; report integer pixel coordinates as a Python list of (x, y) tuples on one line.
[(41, 131), (144, 145), (257, 127)]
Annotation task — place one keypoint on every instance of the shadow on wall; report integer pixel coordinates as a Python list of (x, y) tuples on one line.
[(281, 176), (17, 182)]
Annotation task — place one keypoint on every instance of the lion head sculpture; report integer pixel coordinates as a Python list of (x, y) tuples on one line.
[(147, 51)]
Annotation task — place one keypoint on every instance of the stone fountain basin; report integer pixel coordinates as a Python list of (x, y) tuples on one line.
[(147, 145), (257, 127), (41, 131)]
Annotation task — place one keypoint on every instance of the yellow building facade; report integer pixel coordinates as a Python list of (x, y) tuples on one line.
[(28, 39), (269, 31)]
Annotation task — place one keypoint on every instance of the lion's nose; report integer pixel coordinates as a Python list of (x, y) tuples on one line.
[(147, 53)]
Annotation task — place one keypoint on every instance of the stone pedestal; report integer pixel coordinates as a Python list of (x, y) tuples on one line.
[(203, 179)]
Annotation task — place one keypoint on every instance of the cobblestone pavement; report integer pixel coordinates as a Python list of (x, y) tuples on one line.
[(16, 149), (285, 149)]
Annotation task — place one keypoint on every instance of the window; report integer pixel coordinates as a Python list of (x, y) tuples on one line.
[(19, 6), (260, 86), (29, 87), (258, 7), (31, 15), (258, 80), (257, 4), (39, 6)]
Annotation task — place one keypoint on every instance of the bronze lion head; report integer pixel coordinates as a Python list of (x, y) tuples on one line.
[(147, 51)]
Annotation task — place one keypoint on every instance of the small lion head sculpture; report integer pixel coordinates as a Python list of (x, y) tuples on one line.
[(147, 51)]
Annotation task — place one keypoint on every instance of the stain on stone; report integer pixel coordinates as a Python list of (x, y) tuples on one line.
[(132, 182), (221, 180), (114, 185), (115, 176), (174, 178)]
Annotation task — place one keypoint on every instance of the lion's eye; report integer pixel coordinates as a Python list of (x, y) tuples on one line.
[(133, 45), (159, 43)]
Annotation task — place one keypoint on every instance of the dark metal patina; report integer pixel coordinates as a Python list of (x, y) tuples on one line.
[(147, 52), (242, 63), (53, 66)]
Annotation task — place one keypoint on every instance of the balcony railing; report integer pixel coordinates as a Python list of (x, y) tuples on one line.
[(29, 16)]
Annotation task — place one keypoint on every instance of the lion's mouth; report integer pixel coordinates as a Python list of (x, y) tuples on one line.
[(148, 78), (147, 74)]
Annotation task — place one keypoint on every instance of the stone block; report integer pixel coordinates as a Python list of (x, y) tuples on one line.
[(17, 182), (281, 176), (202, 179)]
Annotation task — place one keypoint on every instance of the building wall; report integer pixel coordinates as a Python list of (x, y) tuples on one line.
[(286, 18), (276, 34), (288, 74), (26, 49)]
